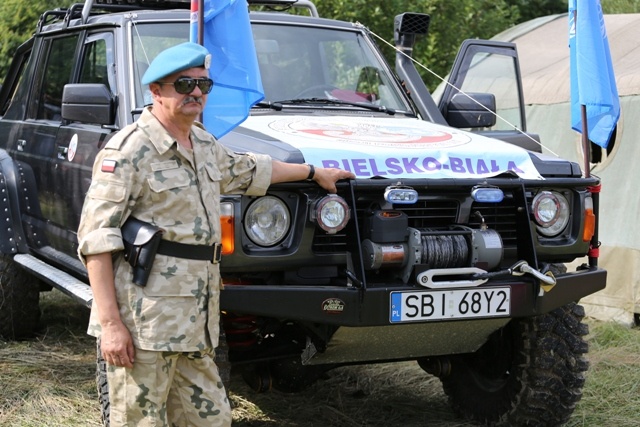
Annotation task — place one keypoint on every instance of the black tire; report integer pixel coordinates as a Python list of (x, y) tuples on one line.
[(222, 359), (19, 300), (291, 376), (531, 373), (103, 387)]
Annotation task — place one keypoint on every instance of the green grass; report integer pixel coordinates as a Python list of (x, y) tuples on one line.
[(612, 393), (49, 381)]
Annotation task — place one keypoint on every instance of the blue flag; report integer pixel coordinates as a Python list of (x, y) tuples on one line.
[(234, 64), (593, 83)]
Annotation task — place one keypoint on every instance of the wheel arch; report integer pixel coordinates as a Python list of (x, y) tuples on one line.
[(12, 237)]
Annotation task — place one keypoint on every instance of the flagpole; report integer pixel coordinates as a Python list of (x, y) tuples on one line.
[(200, 38), (586, 148), (201, 22)]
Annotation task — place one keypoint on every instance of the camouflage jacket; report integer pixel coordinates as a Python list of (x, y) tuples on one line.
[(144, 172)]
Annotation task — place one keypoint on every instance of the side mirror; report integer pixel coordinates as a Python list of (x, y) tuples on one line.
[(88, 103), (477, 110)]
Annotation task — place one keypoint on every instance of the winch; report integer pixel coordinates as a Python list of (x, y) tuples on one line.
[(391, 243)]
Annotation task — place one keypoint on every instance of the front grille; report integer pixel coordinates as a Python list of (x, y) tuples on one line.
[(324, 243), (500, 217), (433, 213)]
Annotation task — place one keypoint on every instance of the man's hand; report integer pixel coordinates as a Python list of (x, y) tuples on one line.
[(327, 177), (116, 345)]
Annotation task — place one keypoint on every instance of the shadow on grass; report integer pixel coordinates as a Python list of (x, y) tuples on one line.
[(394, 394)]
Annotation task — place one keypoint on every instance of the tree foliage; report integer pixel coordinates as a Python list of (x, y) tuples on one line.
[(18, 20), (451, 23), (530, 9), (620, 6)]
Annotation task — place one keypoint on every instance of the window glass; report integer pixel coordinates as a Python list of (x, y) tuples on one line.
[(148, 40), (19, 82), (496, 74), (57, 73), (299, 62), (97, 61)]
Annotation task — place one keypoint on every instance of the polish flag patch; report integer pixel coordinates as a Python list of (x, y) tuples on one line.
[(108, 166)]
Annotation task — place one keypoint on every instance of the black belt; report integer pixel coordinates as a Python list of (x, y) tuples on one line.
[(211, 253)]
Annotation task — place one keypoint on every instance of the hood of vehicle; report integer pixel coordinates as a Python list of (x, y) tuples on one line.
[(392, 147)]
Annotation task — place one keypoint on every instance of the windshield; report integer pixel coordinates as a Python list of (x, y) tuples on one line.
[(306, 62), (296, 62)]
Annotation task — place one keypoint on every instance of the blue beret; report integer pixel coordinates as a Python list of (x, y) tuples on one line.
[(176, 58)]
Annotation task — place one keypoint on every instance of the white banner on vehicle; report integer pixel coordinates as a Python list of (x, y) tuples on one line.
[(395, 147)]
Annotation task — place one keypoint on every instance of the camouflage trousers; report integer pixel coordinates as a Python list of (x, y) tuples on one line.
[(168, 389)]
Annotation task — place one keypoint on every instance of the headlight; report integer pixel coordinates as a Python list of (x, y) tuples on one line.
[(267, 221), (332, 213), (551, 212)]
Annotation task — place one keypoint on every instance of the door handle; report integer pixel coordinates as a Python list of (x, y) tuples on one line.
[(62, 152), (20, 144)]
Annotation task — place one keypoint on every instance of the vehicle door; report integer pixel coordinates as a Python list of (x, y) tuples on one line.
[(32, 144), (486, 70), (77, 144)]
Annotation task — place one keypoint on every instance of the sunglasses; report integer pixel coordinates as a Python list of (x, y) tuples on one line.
[(186, 85)]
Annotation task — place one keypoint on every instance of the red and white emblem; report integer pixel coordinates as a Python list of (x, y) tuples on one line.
[(108, 166)]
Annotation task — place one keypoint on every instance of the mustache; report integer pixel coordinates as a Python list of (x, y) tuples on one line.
[(189, 99)]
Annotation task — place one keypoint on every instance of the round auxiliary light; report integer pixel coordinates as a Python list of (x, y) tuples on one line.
[(551, 212), (332, 213), (267, 221)]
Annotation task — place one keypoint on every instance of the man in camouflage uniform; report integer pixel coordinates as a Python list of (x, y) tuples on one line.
[(158, 340)]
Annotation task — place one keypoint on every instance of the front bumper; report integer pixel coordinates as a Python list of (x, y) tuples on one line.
[(360, 307)]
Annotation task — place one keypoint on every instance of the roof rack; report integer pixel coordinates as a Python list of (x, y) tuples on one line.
[(83, 10), (287, 4)]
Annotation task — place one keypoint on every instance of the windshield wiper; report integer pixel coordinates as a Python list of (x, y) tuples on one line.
[(268, 104), (278, 105)]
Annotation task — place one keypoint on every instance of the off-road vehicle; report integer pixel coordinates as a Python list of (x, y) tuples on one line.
[(447, 248)]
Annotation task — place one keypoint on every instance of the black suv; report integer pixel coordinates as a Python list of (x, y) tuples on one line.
[(447, 249)]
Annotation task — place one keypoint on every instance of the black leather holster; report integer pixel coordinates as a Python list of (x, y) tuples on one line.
[(141, 241)]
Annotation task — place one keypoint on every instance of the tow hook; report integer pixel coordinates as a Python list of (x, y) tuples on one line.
[(520, 268), (547, 280)]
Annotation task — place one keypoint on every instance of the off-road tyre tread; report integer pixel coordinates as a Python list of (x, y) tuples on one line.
[(103, 387), (222, 359), (546, 377), (19, 300)]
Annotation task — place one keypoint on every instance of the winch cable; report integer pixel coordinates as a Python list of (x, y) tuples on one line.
[(520, 268), (441, 251)]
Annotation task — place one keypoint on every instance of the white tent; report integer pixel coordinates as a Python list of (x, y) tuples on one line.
[(544, 58)]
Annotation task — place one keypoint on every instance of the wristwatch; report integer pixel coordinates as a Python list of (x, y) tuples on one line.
[(312, 172)]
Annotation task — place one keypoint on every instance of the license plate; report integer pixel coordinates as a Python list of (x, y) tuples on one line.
[(450, 304)]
